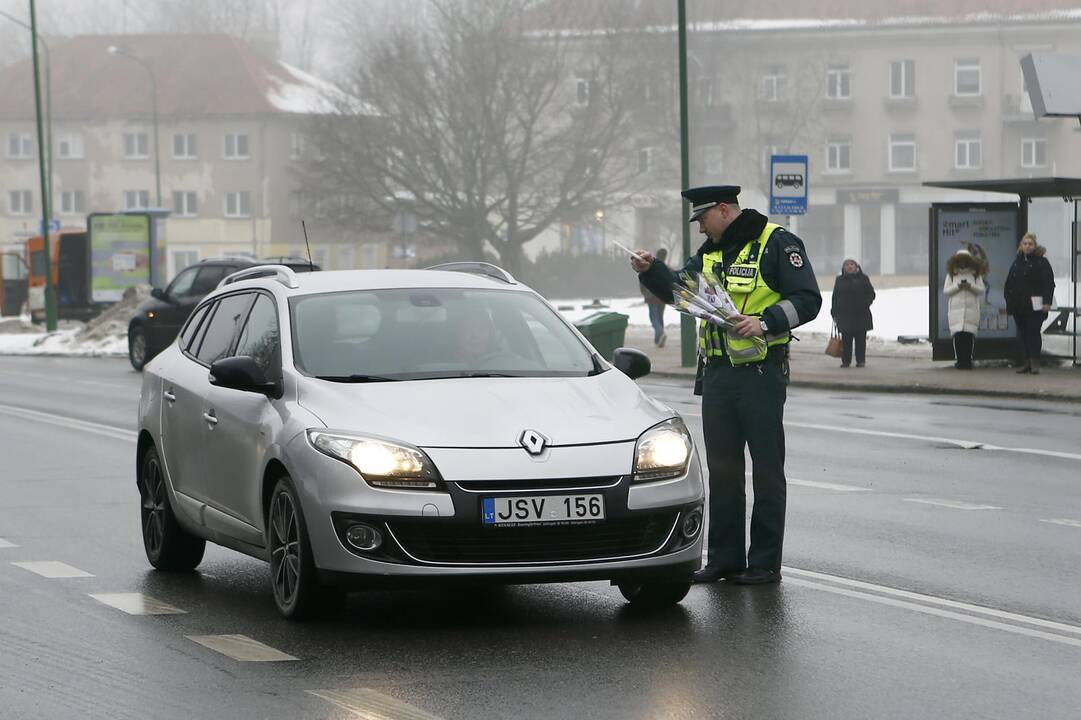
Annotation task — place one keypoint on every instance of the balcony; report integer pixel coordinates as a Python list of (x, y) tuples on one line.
[(966, 102), (906, 103)]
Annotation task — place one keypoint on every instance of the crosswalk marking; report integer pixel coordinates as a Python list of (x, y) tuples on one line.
[(240, 647), (136, 604), (52, 569), (955, 504), (6, 544), (368, 704)]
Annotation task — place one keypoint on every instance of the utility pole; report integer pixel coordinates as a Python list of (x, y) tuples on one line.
[(50, 291), (687, 335)]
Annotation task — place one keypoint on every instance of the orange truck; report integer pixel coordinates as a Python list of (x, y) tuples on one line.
[(70, 251)]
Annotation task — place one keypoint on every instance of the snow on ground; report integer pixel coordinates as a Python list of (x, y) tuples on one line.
[(897, 311)]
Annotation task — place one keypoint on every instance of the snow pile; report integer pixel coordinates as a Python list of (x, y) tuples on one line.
[(113, 323), (105, 335)]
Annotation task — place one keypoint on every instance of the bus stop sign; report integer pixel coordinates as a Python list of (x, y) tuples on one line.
[(788, 185)]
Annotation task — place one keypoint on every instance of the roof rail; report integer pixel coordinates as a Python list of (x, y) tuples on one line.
[(477, 268), (281, 273)]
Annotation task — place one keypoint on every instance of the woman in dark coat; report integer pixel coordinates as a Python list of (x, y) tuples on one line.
[(852, 298), (1029, 291)]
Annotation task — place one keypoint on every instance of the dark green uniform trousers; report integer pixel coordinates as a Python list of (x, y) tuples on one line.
[(744, 406)]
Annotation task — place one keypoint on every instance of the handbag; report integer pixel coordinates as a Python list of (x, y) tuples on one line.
[(834, 347)]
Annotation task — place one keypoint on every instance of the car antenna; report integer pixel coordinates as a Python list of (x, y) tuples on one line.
[(305, 229)]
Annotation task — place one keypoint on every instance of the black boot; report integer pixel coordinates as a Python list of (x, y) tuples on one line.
[(1026, 368)]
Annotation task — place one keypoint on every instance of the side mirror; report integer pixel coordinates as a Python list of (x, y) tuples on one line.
[(632, 363), (243, 373), (159, 294)]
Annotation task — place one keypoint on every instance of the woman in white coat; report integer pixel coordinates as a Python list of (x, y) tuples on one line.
[(964, 288)]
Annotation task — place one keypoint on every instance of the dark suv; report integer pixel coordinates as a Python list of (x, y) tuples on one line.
[(158, 319)]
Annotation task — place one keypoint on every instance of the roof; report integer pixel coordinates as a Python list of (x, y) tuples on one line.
[(1025, 187), (210, 74), (350, 280)]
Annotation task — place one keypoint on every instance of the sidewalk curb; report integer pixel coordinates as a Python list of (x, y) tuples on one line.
[(900, 389)]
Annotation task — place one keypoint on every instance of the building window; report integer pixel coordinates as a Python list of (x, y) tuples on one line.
[(583, 91), (966, 78), (20, 146), (902, 79), (713, 159), (296, 145), (136, 146), (238, 204), (69, 146), (236, 146), (185, 146), (20, 202), (773, 85), (183, 259), (902, 153), (967, 150), (136, 199), (72, 202), (705, 89), (1033, 152), (645, 159), (185, 203), (838, 82), (839, 156)]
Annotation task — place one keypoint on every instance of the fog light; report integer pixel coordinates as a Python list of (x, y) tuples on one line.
[(692, 523), (363, 537)]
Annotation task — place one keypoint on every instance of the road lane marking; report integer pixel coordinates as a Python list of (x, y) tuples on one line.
[(933, 600), (136, 604), (110, 431), (240, 647), (1054, 521), (949, 614), (6, 544), (823, 485), (52, 569), (955, 504), (371, 705)]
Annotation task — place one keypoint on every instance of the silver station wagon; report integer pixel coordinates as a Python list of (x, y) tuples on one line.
[(366, 429)]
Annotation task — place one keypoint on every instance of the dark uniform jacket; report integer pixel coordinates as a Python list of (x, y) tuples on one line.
[(852, 298), (1030, 275), (784, 266)]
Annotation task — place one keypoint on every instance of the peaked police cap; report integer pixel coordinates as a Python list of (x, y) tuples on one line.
[(707, 196)]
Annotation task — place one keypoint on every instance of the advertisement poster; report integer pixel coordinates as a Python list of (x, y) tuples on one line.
[(120, 254), (987, 231)]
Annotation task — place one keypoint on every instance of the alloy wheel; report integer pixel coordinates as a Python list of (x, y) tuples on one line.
[(138, 349), (284, 548), (154, 506)]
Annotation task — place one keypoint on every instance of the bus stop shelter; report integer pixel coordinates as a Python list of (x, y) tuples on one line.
[(996, 228)]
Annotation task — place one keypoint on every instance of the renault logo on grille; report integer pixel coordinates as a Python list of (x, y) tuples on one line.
[(532, 441)]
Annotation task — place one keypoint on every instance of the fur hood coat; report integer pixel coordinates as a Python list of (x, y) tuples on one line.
[(964, 289)]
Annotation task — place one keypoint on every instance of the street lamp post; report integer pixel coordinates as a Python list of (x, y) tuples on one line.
[(114, 50), (50, 291)]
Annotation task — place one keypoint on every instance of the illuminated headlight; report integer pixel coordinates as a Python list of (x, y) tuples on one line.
[(662, 452), (381, 463)]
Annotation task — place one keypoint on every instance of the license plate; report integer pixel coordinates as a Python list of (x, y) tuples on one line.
[(542, 509)]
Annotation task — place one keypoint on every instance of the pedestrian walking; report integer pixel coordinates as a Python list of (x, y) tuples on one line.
[(964, 289), (851, 310), (1029, 291), (765, 270), (656, 306)]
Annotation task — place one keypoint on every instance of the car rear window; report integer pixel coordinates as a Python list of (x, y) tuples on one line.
[(217, 339)]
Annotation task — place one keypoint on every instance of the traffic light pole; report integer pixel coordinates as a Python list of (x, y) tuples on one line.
[(43, 152), (687, 335)]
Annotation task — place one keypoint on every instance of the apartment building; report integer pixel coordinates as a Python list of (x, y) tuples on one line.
[(232, 130)]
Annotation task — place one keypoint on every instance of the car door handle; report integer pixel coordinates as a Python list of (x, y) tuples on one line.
[(210, 417), (168, 395)]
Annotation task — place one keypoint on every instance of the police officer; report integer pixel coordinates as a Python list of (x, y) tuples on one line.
[(743, 385)]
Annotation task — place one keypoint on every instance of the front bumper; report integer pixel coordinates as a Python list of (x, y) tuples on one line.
[(440, 534)]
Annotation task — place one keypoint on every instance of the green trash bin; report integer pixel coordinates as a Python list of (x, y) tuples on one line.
[(605, 331)]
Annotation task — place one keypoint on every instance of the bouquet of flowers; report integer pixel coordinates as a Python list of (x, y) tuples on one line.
[(702, 296)]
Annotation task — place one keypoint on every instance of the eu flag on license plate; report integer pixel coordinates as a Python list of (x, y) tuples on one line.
[(489, 510)]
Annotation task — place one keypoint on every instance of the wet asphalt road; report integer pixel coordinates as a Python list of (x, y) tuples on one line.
[(933, 569)]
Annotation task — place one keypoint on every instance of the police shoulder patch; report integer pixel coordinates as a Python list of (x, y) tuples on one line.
[(796, 259), (793, 248)]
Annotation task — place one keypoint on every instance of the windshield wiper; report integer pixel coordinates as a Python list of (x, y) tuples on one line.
[(356, 378)]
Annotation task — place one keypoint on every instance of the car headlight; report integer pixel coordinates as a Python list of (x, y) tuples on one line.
[(381, 463), (662, 452)]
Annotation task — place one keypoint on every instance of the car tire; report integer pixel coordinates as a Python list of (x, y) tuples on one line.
[(293, 576), (655, 594), (168, 546), (138, 347)]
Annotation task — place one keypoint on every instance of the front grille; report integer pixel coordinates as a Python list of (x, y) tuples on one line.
[(482, 486), (458, 544)]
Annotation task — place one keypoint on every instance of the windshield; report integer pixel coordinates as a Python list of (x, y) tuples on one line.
[(412, 334)]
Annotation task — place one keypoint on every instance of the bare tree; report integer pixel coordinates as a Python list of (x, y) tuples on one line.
[(494, 130)]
